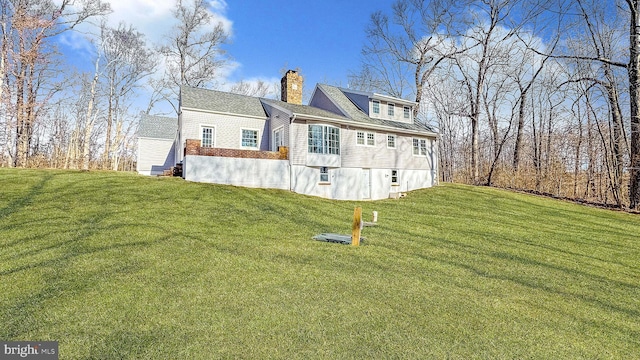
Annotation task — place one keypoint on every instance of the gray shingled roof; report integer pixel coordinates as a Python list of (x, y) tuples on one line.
[(219, 101), (225, 102), (304, 109), (355, 114), (157, 127)]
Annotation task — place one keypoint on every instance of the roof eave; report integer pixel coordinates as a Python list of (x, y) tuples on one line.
[(277, 106), (392, 99), (224, 113)]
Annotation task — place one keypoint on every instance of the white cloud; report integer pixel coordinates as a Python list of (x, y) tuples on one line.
[(154, 18), (151, 17), (148, 16)]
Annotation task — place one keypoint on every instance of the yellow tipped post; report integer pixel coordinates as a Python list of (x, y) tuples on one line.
[(356, 227)]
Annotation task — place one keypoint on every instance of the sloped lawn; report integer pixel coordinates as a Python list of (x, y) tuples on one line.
[(119, 266)]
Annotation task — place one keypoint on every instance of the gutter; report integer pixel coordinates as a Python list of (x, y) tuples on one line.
[(224, 113), (292, 118)]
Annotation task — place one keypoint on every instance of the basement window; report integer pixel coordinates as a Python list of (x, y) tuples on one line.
[(394, 177), (324, 174)]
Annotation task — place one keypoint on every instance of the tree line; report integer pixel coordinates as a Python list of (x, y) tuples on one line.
[(535, 95), (54, 116)]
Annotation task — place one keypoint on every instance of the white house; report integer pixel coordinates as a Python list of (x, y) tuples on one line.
[(345, 144), (156, 138)]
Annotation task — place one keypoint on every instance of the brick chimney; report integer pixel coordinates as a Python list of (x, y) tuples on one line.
[(291, 87)]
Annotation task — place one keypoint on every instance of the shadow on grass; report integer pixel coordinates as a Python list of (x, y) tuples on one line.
[(58, 275), (26, 199)]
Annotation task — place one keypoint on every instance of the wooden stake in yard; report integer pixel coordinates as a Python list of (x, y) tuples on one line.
[(356, 227)]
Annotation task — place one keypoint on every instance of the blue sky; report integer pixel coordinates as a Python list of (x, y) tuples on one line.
[(321, 38)]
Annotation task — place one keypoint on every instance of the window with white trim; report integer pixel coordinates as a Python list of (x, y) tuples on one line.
[(324, 139), (360, 137), (371, 139), (207, 136), (365, 138), (419, 147), (376, 106), (391, 109), (394, 176), (391, 141), (407, 112), (278, 138), (249, 139), (324, 174)]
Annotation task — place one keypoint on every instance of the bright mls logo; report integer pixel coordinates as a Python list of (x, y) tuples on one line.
[(39, 350)]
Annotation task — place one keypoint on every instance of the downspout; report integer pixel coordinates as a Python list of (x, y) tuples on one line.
[(291, 120)]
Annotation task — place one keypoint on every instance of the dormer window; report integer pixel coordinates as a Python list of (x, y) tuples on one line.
[(391, 110), (407, 112), (376, 107)]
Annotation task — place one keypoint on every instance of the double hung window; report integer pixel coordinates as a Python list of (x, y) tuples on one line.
[(207, 136), (419, 147)]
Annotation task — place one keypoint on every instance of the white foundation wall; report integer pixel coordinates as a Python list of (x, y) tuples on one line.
[(409, 180), (344, 183), (255, 173), (350, 183)]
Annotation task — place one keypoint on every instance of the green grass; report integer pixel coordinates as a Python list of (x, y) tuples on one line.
[(118, 266)]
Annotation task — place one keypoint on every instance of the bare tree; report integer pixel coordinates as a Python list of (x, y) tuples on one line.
[(128, 61), (192, 51), (447, 99), (596, 16), (258, 88), (29, 26), (410, 44), (526, 72), (475, 66), (91, 115)]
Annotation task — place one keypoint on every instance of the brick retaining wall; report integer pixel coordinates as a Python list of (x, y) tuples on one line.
[(193, 148)]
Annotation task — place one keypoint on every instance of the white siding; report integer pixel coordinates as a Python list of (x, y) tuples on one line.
[(380, 156), (299, 148), (228, 128), (398, 114), (256, 173), (154, 156), (359, 156), (279, 119)]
